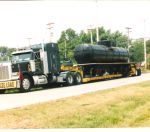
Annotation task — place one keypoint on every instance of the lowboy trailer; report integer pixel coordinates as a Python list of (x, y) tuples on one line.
[(40, 65)]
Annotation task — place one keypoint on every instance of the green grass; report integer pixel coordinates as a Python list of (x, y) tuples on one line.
[(145, 70), (127, 106)]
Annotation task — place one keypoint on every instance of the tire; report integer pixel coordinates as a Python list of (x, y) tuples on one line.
[(2, 91), (126, 72), (77, 78), (26, 84), (69, 79), (138, 72)]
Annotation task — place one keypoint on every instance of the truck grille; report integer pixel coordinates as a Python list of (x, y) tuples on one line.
[(4, 71)]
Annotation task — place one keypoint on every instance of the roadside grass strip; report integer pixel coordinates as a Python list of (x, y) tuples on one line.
[(126, 106)]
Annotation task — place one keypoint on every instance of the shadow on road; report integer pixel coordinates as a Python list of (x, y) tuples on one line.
[(38, 88), (50, 86)]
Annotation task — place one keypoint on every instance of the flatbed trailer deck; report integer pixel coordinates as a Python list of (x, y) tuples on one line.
[(96, 71)]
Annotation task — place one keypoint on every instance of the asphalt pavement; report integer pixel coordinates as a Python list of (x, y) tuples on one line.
[(15, 100)]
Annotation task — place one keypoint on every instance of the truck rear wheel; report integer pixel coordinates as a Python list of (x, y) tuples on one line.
[(77, 78), (138, 72), (69, 79), (26, 84)]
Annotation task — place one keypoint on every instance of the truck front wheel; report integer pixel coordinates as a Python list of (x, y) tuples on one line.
[(26, 84)]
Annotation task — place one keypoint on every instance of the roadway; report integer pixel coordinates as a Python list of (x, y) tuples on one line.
[(15, 100)]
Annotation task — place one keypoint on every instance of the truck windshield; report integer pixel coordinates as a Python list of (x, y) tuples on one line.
[(21, 57)]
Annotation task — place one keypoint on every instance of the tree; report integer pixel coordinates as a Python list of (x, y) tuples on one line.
[(5, 53), (67, 42), (70, 38), (84, 38), (148, 46), (119, 40), (148, 52), (137, 51)]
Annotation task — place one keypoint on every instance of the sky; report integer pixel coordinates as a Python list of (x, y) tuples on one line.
[(20, 20)]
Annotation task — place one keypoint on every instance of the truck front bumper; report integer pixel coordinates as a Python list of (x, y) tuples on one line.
[(9, 84)]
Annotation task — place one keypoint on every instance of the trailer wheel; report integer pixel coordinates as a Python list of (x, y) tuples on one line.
[(77, 78), (125, 72), (2, 91), (138, 72), (26, 84), (69, 79)]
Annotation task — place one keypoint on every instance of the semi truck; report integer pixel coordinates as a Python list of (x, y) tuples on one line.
[(40, 65)]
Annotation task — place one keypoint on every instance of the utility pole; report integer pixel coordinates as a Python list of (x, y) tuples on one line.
[(65, 48), (145, 57), (97, 31), (128, 32), (50, 27), (66, 38), (90, 30), (29, 41)]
